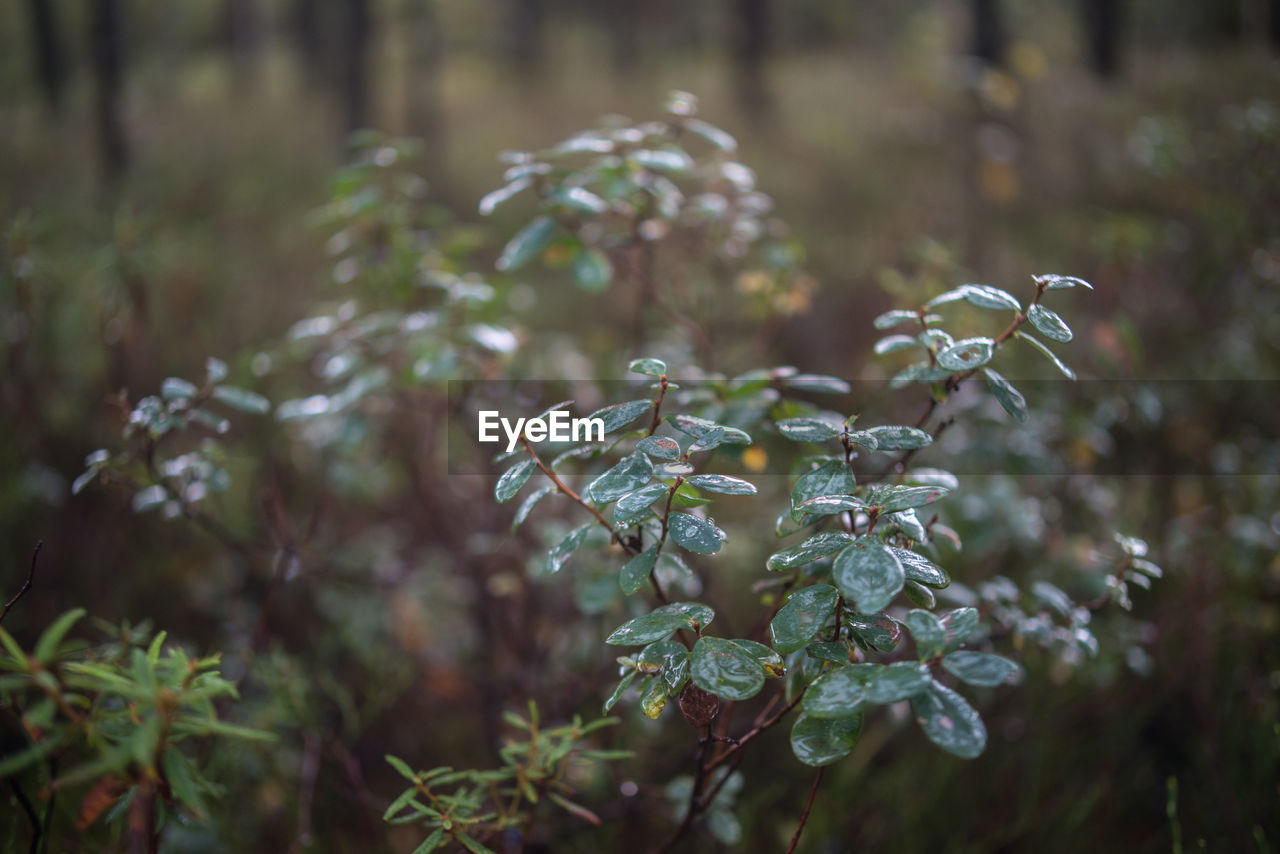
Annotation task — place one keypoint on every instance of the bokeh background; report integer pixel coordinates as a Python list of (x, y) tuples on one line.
[(160, 164)]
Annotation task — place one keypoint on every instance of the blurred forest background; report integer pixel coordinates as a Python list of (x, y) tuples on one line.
[(159, 166)]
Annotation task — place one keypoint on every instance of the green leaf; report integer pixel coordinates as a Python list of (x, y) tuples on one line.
[(579, 199), (1006, 395), (646, 629), (659, 446), (653, 697), (492, 200), (721, 483), (1054, 282), (981, 668), (635, 573), (174, 388), (634, 505), (838, 693), (832, 477), (669, 657), (898, 438), (513, 479), (805, 613), (894, 343), (960, 624), (818, 742), (184, 781), (49, 642), (809, 429), (242, 399), (526, 506), (967, 354), (471, 845), (215, 370), (661, 160), (921, 372), (697, 613), (31, 754), (819, 545), (15, 652), (835, 652), (687, 495), (1050, 324), (817, 383), (891, 498), (402, 767), (868, 574), (920, 569), (527, 244), (1057, 363), (723, 668), (876, 631), (631, 473), (896, 317), (621, 414), (621, 689), (985, 296), (826, 505), (919, 595), (695, 534), (949, 721), (559, 553), (648, 367), (724, 826), (929, 633), (708, 434), (901, 680), (769, 660), (432, 842)]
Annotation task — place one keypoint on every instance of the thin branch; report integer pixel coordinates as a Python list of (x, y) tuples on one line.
[(30, 810), (26, 585), (804, 816)]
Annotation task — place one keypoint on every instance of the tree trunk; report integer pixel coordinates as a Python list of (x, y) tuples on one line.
[(1102, 23), (522, 37), (107, 57), (355, 70), (988, 32), (425, 108), (241, 27), (50, 64), (750, 50)]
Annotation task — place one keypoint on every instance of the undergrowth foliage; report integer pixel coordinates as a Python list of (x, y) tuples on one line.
[(854, 607)]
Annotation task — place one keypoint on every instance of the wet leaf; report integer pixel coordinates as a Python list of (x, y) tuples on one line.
[(721, 483), (894, 343), (695, 534), (634, 505), (770, 662), (526, 506), (959, 624), (920, 569), (635, 573), (648, 367), (819, 545), (809, 429), (1006, 395), (560, 552), (949, 721), (527, 244), (1050, 324), (895, 317), (899, 438), (659, 446), (653, 697), (805, 613), (967, 354), (868, 574), (725, 669), (929, 634), (818, 742), (618, 691), (1054, 282), (646, 629), (514, 479), (621, 414), (982, 668), (876, 631), (901, 680), (631, 473), (699, 707), (838, 693), (817, 383), (1057, 363), (891, 498)]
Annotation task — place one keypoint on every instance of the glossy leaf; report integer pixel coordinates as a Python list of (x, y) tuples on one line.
[(920, 569), (901, 680), (960, 624), (725, 669), (876, 631), (560, 552), (51, 639), (868, 574), (982, 668), (526, 506), (1054, 282), (1006, 395), (634, 505), (647, 628), (631, 473), (648, 367), (1050, 324), (894, 343), (891, 498), (929, 633), (721, 483), (819, 545), (894, 317), (817, 383), (949, 721), (635, 573), (967, 354), (1048, 354), (659, 446), (242, 399), (621, 414), (839, 693), (803, 615), (696, 534), (527, 244), (653, 697), (897, 438), (514, 479), (808, 429), (618, 691), (832, 477), (817, 742)]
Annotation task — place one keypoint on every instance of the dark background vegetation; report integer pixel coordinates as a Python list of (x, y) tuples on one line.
[(158, 164)]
